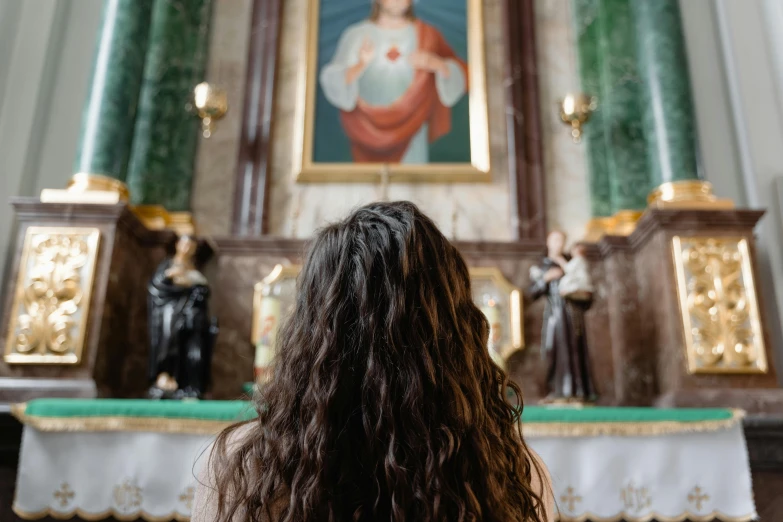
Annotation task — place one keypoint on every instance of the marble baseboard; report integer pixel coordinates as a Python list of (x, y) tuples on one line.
[(767, 401)]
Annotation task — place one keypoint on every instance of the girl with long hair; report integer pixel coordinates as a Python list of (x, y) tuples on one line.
[(384, 404)]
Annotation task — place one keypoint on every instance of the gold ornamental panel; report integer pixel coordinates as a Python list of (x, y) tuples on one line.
[(52, 296), (716, 288)]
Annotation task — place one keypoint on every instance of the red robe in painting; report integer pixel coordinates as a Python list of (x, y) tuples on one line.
[(382, 134)]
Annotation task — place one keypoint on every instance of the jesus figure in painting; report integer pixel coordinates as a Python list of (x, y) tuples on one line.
[(394, 79)]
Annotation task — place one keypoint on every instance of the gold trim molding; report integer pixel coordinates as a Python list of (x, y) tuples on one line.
[(715, 515), (691, 194), (84, 187), (52, 298), (103, 515), (182, 223), (156, 217), (598, 227), (716, 289), (654, 516), (307, 170), (211, 427), (622, 223)]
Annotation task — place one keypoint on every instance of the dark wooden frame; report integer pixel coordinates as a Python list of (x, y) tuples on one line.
[(251, 193), (523, 122)]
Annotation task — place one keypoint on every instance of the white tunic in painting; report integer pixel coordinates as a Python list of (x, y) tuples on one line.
[(385, 80)]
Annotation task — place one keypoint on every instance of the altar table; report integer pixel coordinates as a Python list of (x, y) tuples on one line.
[(136, 459)]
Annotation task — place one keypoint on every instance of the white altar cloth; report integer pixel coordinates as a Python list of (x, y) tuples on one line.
[(134, 474)]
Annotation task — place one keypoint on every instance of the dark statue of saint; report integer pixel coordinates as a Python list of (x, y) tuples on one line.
[(565, 281), (182, 333)]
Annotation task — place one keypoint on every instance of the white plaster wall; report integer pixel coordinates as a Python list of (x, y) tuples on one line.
[(73, 67), (46, 49), (719, 158), (752, 63)]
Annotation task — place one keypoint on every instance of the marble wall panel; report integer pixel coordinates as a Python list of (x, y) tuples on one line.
[(483, 210), (213, 185), (232, 301), (237, 273)]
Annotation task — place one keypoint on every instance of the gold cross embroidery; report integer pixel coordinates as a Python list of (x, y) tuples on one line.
[(127, 495), (635, 499), (697, 497), (187, 497), (64, 494), (570, 499)]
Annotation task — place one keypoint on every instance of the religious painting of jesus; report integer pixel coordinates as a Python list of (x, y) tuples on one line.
[(396, 87)]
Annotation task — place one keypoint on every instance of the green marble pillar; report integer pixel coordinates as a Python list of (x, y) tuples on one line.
[(585, 15), (614, 136), (110, 111), (623, 128), (166, 135), (667, 113)]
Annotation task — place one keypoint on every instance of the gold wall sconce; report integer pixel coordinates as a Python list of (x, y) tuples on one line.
[(210, 104), (575, 111)]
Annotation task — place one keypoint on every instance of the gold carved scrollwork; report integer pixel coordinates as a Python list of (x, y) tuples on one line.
[(52, 297), (720, 312)]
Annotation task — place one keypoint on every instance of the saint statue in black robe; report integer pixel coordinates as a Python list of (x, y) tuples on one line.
[(563, 339), (182, 334)]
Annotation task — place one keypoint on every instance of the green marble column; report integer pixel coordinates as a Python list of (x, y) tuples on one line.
[(585, 14), (623, 128), (667, 113), (617, 152), (110, 111), (166, 135)]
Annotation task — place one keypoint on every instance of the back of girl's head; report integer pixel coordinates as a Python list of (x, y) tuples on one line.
[(384, 403)]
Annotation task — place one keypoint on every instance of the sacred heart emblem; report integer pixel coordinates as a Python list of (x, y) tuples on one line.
[(393, 54)]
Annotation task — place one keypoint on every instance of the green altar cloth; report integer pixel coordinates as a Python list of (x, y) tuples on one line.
[(211, 416), (228, 411)]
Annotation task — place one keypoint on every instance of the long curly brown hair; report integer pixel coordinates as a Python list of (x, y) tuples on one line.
[(384, 404)]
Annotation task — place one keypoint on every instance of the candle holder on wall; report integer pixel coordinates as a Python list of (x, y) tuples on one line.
[(575, 111)]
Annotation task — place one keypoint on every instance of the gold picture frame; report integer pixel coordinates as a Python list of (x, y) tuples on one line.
[(279, 274), (511, 300), (478, 170), (719, 309), (53, 295)]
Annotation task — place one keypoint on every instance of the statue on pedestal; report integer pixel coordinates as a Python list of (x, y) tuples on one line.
[(182, 333), (565, 281)]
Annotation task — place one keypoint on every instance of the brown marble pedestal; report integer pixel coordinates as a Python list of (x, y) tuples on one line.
[(649, 296), (113, 355)]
